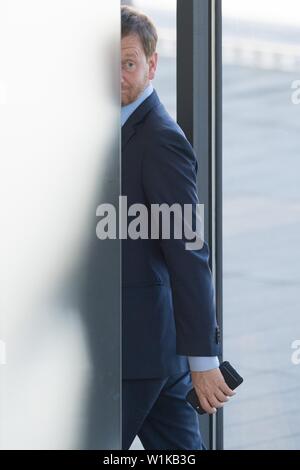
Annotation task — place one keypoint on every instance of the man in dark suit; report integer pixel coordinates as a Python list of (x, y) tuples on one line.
[(170, 337)]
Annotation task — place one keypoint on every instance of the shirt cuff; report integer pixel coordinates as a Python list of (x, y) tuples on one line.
[(201, 364)]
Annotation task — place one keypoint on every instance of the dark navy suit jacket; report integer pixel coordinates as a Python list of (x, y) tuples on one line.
[(168, 303)]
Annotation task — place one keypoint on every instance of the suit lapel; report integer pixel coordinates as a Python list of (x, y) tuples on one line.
[(129, 128)]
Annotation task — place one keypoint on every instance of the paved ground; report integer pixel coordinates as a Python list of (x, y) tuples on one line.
[(262, 256)]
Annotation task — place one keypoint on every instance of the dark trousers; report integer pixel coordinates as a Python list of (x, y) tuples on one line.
[(156, 411)]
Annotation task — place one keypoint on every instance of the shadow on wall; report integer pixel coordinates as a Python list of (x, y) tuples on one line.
[(99, 305), (99, 289)]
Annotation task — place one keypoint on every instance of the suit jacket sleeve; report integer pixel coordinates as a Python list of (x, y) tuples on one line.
[(169, 176)]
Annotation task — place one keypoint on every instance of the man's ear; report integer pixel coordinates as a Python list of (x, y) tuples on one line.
[(152, 61)]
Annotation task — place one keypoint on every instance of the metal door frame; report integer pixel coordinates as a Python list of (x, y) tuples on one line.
[(199, 113)]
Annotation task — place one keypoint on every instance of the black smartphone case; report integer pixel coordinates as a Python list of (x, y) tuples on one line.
[(231, 377)]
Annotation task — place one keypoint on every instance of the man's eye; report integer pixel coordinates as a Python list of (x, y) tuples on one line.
[(129, 65)]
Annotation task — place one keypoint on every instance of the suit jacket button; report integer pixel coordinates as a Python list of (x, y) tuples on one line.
[(218, 335)]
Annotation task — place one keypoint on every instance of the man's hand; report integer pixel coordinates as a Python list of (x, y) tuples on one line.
[(211, 389)]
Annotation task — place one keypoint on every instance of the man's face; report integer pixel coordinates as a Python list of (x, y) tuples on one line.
[(137, 70)]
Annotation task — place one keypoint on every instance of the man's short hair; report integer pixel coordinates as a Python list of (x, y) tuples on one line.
[(135, 22)]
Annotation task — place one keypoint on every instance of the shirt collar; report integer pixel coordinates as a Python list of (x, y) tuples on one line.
[(126, 111)]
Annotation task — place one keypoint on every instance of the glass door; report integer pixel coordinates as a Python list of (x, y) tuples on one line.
[(261, 221)]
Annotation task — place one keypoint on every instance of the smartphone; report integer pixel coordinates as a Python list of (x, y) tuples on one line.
[(231, 377)]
